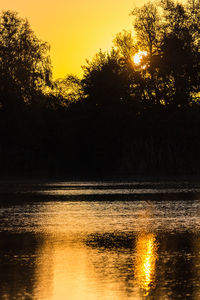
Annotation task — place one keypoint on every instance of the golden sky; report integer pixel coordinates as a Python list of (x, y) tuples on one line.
[(75, 29)]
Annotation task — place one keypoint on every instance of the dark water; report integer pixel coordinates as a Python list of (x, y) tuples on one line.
[(107, 241)]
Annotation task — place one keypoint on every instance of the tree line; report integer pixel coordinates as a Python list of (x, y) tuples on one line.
[(121, 118)]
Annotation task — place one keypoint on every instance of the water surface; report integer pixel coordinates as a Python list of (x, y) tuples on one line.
[(112, 241)]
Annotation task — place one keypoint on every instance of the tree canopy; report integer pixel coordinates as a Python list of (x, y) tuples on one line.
[(25, 65), (122, 116), (168, 74)]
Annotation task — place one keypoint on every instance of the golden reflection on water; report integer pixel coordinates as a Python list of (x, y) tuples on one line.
[(73, 271), (145, 262), (68, 269), (99, 251), (65, 271)]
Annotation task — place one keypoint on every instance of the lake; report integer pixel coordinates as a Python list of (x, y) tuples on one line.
[(99, 240)]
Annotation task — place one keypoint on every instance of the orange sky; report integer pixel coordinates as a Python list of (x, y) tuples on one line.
[(75, 29)]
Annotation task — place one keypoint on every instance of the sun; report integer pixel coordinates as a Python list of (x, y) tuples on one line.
[(137, 58)]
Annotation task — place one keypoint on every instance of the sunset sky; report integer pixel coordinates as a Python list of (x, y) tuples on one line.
[(75, 29)]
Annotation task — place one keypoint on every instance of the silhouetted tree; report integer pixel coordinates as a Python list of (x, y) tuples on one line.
[(125, 44), (68, 90), (180, 54), (148, 33), (170, 38), (147, 27), (105, 81), (25, 66)]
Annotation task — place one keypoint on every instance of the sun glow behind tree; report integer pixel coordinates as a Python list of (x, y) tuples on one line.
[(138, 57)]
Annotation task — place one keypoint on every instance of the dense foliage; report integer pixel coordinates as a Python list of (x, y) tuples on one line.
[(121, 118)]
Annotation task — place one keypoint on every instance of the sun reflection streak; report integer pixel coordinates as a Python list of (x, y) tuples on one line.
[(145, 264)]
